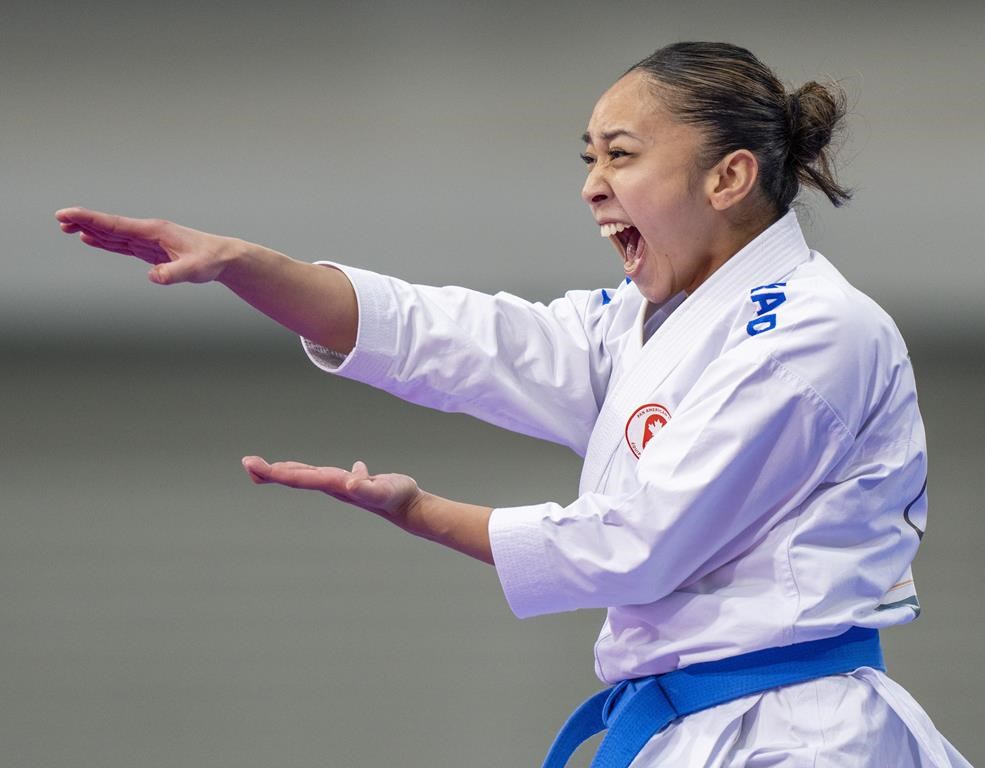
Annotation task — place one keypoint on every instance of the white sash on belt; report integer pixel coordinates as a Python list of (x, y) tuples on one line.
[(772, 254)]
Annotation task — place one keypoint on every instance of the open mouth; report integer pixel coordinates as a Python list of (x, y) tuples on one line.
[(627, 241)]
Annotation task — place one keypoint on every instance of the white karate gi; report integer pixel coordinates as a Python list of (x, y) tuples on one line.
[(779, 498)]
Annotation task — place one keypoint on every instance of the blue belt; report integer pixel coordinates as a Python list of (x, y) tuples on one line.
[(634, 710)]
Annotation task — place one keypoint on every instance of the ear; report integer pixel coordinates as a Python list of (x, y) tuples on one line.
[(732, 179)]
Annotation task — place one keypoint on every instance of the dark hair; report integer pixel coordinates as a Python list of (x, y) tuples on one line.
[(740, 104)]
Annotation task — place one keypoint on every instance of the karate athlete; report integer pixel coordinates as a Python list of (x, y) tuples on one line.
[(754, 486)]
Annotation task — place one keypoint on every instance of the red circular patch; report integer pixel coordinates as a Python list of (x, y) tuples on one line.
[(645, 422)]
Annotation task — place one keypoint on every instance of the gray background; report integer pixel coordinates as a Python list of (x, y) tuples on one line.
[(159, 610)]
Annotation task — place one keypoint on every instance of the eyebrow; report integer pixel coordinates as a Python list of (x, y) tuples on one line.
[(610, 135)]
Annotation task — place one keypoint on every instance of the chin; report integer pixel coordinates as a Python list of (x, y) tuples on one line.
[(655, 294)]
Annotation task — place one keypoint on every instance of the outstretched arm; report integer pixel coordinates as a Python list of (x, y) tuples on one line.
[(313, 301), (397, 498)]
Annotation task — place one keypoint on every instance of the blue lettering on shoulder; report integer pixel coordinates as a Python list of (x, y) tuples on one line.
[(761, 325), (764, 287), (768, 301), (768, 298)]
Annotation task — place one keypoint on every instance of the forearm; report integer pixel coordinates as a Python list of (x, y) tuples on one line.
[(454, 524), (314, 301)]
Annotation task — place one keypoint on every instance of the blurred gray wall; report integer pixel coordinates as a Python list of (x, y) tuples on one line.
[(159, 610), (439, 141)]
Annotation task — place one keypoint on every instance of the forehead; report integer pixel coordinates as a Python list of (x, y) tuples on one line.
[(630, 105)]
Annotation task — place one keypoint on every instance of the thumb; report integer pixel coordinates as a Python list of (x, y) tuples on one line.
[(163, 274), (170, 272), (359, 487), (359, 478)]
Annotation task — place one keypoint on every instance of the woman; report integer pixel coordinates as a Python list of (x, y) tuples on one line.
[(755, 471)]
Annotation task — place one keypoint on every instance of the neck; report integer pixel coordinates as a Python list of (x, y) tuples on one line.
[(734, 233)]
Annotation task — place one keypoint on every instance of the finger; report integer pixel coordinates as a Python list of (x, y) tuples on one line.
[(295, 465), (149, 251), (256, 468), (105, 245), (110, 241), (101, 240), (261, 465), (85, 218), (257, 479), (152, 254), (326, 479), (108, 223), (65, 215), (296, 475), (107, 238)]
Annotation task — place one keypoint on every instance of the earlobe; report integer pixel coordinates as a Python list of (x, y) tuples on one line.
[(732, 179)]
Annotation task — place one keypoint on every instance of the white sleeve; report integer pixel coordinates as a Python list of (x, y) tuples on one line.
[(746, 445), (536, 369)]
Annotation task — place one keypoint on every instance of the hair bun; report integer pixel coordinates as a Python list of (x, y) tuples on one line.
[(813, 111)]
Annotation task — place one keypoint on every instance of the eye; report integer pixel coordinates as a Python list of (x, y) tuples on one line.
[(586, 159), (615, 154)]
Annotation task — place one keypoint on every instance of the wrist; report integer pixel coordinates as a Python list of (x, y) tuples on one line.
[(454, 524), (234, 257), (416, 517)]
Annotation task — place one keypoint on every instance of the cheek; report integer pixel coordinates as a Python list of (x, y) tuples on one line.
[(667, 209), (667, 191)]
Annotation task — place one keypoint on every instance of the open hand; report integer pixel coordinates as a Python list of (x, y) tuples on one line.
[(390, 496), (179, 254)]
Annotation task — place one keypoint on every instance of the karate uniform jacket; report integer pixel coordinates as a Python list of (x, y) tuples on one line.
[(755, 465)]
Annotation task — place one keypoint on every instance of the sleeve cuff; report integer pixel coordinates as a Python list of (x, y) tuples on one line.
[(370, 358), (520, 553)]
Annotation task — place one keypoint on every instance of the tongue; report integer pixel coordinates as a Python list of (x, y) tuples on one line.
[(632, 242)]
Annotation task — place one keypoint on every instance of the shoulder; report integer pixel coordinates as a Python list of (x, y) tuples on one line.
[(827, 333), (608, 310), (816, 301)]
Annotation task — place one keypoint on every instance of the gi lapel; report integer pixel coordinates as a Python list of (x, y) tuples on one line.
[(770, 256)]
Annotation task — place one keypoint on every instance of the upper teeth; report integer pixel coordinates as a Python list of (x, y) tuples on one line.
[(608, 230)]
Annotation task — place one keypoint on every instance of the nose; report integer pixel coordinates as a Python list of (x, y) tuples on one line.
[(596, 189)]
